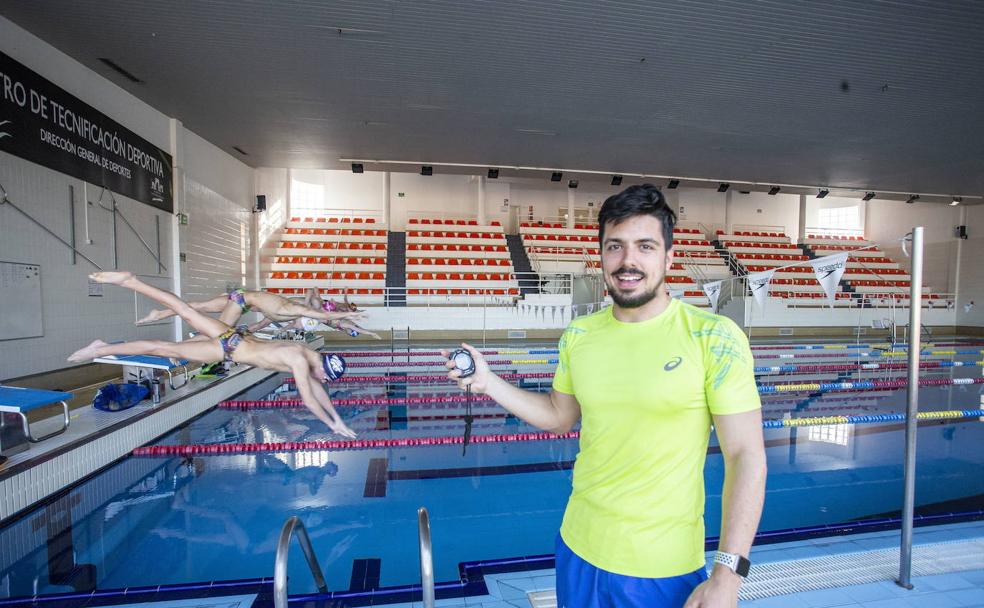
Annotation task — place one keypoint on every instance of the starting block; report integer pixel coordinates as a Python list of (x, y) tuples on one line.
[(15, 403), (140, 369)]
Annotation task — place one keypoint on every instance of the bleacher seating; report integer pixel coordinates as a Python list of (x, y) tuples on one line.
[(457, 261), (871, 277), (332, 254)]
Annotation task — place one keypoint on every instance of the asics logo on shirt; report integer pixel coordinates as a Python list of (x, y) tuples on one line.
[(672, 364)]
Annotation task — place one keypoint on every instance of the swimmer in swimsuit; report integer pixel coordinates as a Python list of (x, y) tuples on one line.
[(218, 341), (235, 304), (313, 300)]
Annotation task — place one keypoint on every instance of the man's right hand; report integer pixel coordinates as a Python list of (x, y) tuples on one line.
[(479, 381)]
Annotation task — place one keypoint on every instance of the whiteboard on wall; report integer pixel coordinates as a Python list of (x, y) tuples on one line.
[(20, 301)]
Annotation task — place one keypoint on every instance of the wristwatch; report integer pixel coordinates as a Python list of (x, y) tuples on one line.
[(738, 563)]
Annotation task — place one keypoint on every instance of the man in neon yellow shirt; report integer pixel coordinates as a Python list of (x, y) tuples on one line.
[(646, 377)]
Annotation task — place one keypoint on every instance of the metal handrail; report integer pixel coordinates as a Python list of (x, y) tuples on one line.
[(426, 558), (292, 525)]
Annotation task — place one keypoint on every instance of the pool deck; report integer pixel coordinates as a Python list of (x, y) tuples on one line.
[(950, 589)]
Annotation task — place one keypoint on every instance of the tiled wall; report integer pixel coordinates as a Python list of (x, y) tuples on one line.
[(216, 243), (71, 317)]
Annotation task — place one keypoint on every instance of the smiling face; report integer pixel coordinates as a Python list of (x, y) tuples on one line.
[(635, 261)]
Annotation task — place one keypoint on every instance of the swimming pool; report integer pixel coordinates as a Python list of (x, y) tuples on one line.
[(153, 520)]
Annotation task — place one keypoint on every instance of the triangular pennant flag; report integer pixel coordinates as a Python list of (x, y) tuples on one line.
[(829, 270), (713, 290), (758, 282)]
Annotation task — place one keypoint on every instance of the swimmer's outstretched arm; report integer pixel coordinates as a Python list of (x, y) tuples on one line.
[(314, 396), (259, 325), (293, 309)]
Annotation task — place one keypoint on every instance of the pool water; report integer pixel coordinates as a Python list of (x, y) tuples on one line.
[(170, 520)]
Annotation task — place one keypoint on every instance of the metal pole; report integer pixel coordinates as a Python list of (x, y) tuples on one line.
[(71, 221), (157, 220), (291, 526), (6, 201), (915, 337), (116, 249), (426, 558)]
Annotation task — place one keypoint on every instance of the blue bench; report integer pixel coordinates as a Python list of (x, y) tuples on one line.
[(145, 366), (20, 401)]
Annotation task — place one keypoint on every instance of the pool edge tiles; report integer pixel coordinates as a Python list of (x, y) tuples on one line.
[(62, 467)]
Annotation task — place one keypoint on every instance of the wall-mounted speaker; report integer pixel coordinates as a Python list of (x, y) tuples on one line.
[(960, 232), (260, 202)]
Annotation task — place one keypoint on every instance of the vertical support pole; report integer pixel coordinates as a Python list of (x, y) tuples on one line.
[(157, 226), (570, 208), (116, 246), (915, 339), (71, 222), (480, 211)]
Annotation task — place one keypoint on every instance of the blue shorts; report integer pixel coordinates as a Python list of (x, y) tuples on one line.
[(581, 585)]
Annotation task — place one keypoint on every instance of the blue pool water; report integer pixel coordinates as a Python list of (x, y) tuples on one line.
[(168, 520)]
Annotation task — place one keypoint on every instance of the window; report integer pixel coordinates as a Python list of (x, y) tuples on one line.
[(840, 218)]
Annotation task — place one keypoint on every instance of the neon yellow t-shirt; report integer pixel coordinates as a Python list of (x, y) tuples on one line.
[(647, 391)]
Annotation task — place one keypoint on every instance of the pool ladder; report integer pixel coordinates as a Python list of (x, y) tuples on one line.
[(293, 525)]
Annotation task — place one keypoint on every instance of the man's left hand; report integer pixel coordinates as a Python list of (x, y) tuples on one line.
[(719, 591)]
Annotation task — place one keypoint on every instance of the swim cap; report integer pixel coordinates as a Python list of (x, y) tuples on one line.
[(334, 366), (309, 324)]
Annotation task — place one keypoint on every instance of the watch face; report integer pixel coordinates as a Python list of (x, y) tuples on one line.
[(462, 361), (743, 566)]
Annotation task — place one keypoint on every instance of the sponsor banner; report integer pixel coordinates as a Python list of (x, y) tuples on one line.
[(713, 290), (44, 124), (758, 282), (829, 270)]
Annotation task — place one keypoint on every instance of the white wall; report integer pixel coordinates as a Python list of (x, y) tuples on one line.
[(760, 209), (451, 195), (971, 286), (888, 221), (211, 186), (336, 191), (70, 317), (700, 205), (274, 184)]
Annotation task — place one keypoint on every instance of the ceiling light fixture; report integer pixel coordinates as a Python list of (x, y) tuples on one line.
[(572, 183), (427, 170), (358, 168), (493, 174), (723, 187), (774, 190), (616, 180), (956, 201), (823, 192), (912, 198), (556, 176), (673, 184), (868, 196)]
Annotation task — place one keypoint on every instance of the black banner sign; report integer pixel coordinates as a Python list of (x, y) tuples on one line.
[(44, 124)]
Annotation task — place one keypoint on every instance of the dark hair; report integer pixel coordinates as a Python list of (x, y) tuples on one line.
[(633, 201)]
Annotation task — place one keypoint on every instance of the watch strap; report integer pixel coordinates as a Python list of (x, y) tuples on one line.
[(738, 563)]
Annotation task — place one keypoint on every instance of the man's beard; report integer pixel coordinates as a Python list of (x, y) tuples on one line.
[(636, 300)]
